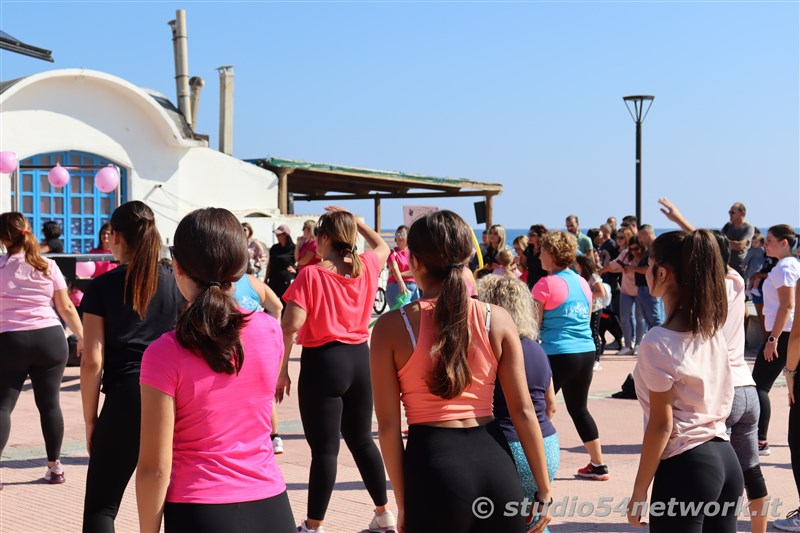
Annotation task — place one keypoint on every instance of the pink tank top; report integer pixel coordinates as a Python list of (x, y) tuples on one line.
[(421, 406)]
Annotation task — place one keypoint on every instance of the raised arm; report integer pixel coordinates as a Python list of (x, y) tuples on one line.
[(374, 240), (672, 213)]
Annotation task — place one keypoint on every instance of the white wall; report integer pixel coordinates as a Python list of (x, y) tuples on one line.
[(98, 113)]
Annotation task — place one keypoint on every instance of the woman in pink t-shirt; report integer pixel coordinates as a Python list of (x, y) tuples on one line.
[(329, 306), (305, 251), (206, 459), (684, 383), (32, 340), (400, 287), (103, 247)]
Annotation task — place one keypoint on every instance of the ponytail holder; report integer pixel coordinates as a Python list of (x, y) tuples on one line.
[(214, 284), (353, 251), (455, 266), (24, 232)]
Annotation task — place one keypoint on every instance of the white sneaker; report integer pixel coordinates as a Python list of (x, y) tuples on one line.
[(625, 351), (790, 523), (383, 523), (597, 366), (55, 474), (277, 445), (303, 529)]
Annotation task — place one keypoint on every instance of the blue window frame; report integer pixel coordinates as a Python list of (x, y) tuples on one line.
[(79, 207)]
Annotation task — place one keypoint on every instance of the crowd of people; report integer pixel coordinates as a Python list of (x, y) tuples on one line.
[(476, 346)]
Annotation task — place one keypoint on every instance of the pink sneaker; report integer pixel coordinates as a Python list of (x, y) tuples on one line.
[(55, 474)]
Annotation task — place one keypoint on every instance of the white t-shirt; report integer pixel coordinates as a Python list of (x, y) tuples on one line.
[(733, 329), (784, 274), (699, 373)]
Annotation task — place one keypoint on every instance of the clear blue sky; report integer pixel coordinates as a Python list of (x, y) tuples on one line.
[(527, 94)]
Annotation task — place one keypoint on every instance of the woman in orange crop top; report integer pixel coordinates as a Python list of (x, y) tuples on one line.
[(440, 357)]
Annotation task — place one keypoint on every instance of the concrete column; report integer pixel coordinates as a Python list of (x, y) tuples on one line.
[(226, 109), (283, 189), (378, 215)]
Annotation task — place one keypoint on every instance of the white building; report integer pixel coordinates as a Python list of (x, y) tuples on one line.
[(85, 120)]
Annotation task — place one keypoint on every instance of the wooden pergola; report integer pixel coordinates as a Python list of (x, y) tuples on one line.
[(308, 181)]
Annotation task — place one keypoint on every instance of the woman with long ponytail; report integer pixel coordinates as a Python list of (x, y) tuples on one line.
[(440, 357), (124, 310), (32, 339), (207, 393), (685, 385), (329, 306)]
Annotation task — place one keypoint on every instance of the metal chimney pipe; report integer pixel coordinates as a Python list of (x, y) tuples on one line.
[(181, 50), (196, 84), (226, 109)]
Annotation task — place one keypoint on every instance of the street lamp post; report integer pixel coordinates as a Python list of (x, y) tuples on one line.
[(636, 107)]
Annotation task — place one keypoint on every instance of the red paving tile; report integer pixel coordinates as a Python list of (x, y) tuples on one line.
[(28, 505)]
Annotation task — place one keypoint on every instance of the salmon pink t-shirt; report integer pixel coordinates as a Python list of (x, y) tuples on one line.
[(338, 308), (221, 447), (26, 295)]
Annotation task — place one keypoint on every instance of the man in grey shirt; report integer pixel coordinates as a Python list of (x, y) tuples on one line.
[(740, 235)]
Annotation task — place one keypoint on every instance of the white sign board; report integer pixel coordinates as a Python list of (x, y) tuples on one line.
[(413, 212)]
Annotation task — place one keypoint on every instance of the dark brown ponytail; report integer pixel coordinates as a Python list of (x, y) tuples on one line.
[(442, 242), (136, 223), (14, 231), (211, 249), (696, 262)]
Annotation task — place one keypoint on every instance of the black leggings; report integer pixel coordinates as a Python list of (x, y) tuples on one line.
[(705, 474), (764, 374), (594, 323), (270, 515), (114, 454), (447, 469), (573, 372), (794, 434), (335, 396), (42, 355)]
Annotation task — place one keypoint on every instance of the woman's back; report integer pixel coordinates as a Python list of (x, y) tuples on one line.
[(26, 294), (698, 372), (222, 451), (538, 375), (338, 307), (421, 405), (126, 335)]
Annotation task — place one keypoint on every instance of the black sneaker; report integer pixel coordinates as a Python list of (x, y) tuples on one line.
[(598, 473)]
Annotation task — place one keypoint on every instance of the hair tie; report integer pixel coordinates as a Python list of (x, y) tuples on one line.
[(24, 232), (353, 250), (214, 284), (455, 266)]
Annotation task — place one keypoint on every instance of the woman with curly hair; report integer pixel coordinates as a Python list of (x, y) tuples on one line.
[(565, 301)]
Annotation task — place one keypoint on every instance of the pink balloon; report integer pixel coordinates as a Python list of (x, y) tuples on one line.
[(8, 162), (58, 176), (84, 269), (107, 179)]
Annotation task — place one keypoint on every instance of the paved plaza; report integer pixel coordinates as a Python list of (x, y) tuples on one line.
[(28, 505)]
